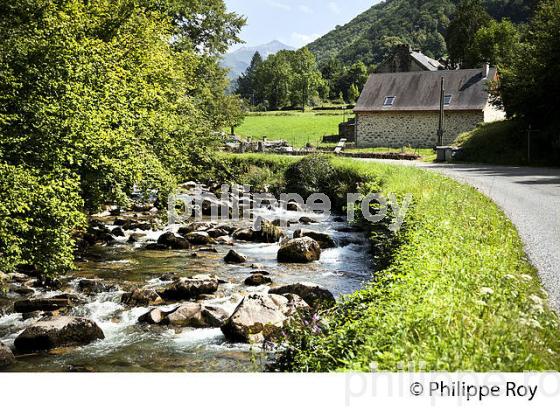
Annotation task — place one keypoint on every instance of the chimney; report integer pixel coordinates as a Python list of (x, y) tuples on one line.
[(485, 70)]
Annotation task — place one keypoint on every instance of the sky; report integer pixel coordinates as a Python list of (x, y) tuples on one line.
[(293, 22)]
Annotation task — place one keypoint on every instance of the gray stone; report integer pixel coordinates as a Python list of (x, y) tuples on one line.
[(63, 331), (42, 305), (190, 288), (299, 250), (314, 295), (235, 257), (260, 317), (6, 356), (172, 241), (324, 239), (142, 297), (196, 315)]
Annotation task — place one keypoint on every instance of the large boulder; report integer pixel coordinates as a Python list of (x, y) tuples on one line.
[(314, 295), (299, 250), (268, 232), (58, 332), (42, 305), (197, 315), (190, 288), (142, 297), (243, 234), (260, 317), (6, 356), (235, 257), (217, 233), (199, 238), (172, 241), (324, 239)]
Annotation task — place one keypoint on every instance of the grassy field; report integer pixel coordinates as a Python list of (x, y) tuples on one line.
[(295, 127), (459, 294)]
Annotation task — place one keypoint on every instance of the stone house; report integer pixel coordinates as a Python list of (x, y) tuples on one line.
[(402, 109), (405, 59)]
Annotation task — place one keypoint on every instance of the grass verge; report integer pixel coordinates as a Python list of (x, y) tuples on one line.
[(507, 143), (459, 293)]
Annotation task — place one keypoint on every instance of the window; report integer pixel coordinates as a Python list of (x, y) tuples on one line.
[(447, 99), (389, 101)]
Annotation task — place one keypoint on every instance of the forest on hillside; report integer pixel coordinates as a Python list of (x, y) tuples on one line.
[(420, 23)]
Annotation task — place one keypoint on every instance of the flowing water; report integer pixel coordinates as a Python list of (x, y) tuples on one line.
[(129, 346)]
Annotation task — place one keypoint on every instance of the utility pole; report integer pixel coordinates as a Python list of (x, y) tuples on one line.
[(529, 144), (441, 114)]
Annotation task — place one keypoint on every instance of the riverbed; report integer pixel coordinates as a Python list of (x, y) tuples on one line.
[(132, 347)]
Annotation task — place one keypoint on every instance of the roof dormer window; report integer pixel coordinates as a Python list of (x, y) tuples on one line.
[(447, 99), (389, 101)]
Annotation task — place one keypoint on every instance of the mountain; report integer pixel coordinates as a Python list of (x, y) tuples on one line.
[(419, 23), (238, 61)]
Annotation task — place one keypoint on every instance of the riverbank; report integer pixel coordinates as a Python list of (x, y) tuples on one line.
[(458, 295)]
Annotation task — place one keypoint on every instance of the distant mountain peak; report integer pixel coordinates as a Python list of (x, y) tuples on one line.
[(237, 61)]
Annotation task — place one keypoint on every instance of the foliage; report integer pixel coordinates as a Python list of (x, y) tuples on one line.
[(496, 43), (111, 96), (38, 215), (506, 142), (247, 83), (530, 88), (316, 174), (420, 23), (458, 295), (284, 79), (470, 17)]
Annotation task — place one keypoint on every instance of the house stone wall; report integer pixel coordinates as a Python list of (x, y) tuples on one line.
[(415, 129)]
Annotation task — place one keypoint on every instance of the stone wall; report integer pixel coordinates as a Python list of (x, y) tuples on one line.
[(415, 129)]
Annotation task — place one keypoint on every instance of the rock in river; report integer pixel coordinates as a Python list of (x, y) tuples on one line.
[(172, 241), (299, 250), (42, 305), (235, 257), (199, 238), (190, 288), (257, 279), (314, 295), (324, 239), (152, 317), (63, 331), (6, 356), (197, 315), (142, 297), (260, 317)]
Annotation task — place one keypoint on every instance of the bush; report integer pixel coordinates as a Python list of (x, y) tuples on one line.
[(316, 174), (505, 143), (38, 216)]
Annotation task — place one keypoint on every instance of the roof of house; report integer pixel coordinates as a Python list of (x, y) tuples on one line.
[(420, 90), (428, 63)]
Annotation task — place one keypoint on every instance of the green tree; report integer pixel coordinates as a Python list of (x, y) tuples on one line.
[(497, 43), (353, 93), (530, 88), (307, 79), (470, 17), (97, 98), (247, 83)]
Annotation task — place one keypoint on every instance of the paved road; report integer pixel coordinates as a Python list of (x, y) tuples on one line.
[(531, 199)]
